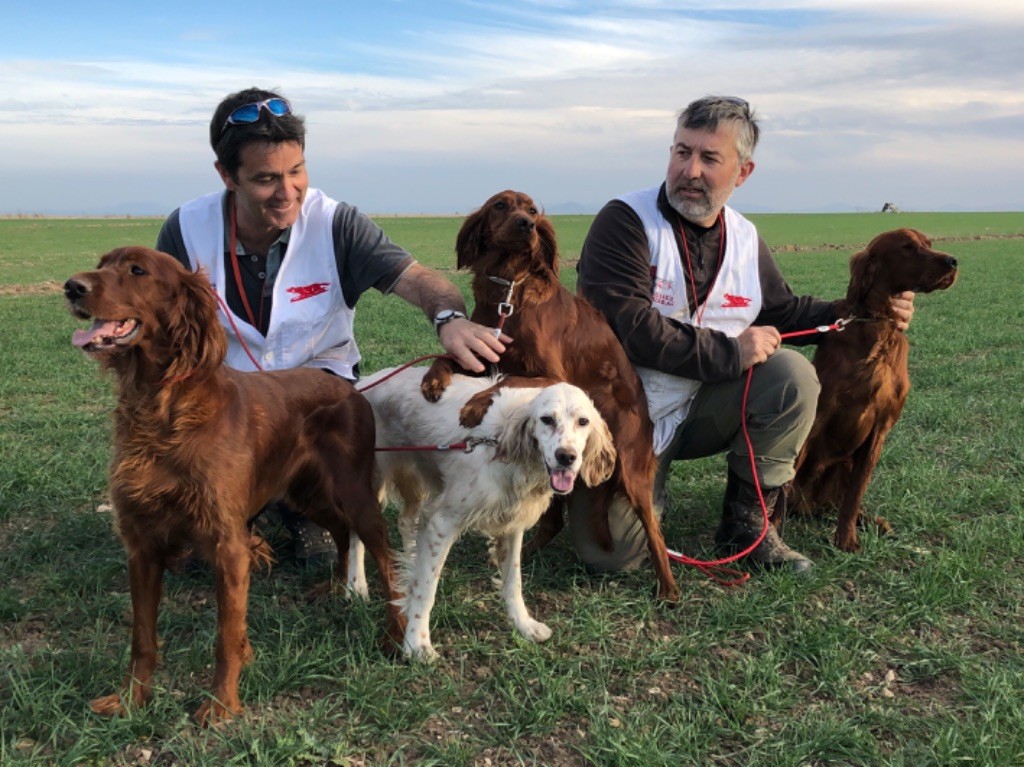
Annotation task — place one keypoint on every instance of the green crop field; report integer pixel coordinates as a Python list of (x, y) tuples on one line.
[(909, 653)]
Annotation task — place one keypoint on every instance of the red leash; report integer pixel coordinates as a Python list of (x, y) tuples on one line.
[(714, 568)]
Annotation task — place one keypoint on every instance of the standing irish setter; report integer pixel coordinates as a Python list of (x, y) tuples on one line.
[(200, 448), (864, 377), (510, 246)]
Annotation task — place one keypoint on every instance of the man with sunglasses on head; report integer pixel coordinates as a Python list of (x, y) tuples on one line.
[(290, 263), (694, 295)]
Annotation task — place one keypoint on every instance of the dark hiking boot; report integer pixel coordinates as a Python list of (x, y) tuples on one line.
[(314, 546), (742, 522)]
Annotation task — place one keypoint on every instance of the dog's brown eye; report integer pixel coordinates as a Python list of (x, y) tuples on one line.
[(500, 206), (584, 422), (137, 270), (533, 211)]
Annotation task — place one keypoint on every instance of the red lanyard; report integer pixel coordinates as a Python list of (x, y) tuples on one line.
[(238, 274), (689, 265)]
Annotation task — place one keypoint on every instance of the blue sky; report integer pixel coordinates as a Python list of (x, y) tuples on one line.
[(432, 107)]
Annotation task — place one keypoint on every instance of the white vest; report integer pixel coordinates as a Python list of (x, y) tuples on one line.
[(310, 323), (731, 306)]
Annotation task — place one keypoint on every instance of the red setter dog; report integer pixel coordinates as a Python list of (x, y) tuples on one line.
[(200, 448), (864, 378), (510, 247)]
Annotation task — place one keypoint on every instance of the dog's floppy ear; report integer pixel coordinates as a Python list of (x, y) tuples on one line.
[(198, 339), (548, 243), (863, 268), (516, 443), (472, 238), (598, 454)]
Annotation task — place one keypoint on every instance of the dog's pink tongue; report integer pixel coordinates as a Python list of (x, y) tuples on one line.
[(562, 480), (99, 328)]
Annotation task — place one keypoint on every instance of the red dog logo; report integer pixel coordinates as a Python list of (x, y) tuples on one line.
[(735, 302), (302, 292)]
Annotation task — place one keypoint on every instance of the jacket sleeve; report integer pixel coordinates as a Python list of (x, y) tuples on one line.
[(783, 310), (614, 274)]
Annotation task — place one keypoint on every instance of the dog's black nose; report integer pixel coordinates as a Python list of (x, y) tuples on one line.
[(525, 223), (74, 290), (565, 457), (951, 262)]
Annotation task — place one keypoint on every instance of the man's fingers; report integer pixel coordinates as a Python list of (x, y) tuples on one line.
[(472, 344)]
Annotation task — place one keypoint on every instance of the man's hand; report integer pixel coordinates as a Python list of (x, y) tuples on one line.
[(757, 344), (470, 343), (903, 307)]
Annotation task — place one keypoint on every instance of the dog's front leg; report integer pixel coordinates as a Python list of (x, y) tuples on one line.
[(864, 460), (509, 554), (145, 579), (436, 379), (231, 568), (436, 535)]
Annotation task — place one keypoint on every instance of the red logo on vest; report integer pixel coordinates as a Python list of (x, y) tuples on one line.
[(302, 292), (735, 302)]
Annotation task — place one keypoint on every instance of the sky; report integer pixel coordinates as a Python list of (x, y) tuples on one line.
[(431, 107)]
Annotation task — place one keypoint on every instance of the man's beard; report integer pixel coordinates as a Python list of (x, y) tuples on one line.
[(694, 211)]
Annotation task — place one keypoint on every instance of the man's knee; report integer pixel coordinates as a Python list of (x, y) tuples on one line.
[(629, 540), (790, 386)]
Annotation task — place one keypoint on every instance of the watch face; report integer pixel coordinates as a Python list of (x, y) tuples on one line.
[(446, 315)]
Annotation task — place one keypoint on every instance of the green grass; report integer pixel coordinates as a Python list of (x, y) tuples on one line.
[(906, 654)]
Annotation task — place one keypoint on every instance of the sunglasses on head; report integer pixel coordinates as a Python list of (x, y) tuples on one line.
[(247, 114)]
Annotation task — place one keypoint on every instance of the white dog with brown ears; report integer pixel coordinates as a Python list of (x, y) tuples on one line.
[(534, 441)]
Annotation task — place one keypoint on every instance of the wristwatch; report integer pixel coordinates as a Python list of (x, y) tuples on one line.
[(445, 316)]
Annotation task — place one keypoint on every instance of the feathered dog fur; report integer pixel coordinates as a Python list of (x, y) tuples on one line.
[(534, 443), (864, 377), (200, 448), (561, 336)]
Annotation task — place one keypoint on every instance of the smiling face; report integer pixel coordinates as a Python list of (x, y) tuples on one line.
[(703, 170), (269, 187)]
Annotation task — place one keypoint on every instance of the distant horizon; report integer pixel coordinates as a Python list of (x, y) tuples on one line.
[(555, 211)]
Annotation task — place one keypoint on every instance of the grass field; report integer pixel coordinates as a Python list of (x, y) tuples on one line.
[(906, 654)]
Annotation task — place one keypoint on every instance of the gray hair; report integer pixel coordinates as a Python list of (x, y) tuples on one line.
[(706, 113)]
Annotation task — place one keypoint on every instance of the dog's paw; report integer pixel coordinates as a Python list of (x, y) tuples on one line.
[(433, 385), (215, 714), (669, 593), (846, 540), (473, 412), (535, 631), (356, 586), (421, 653), (108, 705), (884, 528)]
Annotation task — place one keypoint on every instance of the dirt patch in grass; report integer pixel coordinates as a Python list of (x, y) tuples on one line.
[(44, 288)]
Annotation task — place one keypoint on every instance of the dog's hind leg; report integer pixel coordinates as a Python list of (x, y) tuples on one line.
[(436, 535), (355, 574), (508, 553)]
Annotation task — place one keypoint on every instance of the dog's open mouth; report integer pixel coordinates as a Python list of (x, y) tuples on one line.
[(106, 334), (562, 480)]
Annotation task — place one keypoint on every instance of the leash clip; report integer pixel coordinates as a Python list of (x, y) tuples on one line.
[(473, 442), (842, 323), (505, 307)]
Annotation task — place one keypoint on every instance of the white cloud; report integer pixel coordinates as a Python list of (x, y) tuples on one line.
[(574, 101)]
